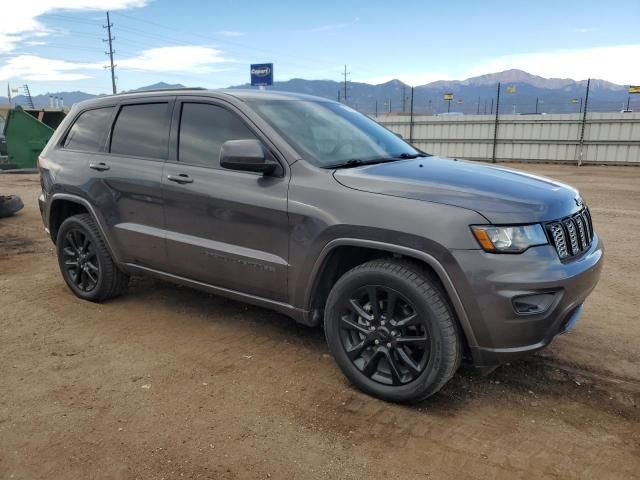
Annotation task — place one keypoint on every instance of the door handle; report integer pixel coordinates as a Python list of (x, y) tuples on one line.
[(101, 167), (181, 178)]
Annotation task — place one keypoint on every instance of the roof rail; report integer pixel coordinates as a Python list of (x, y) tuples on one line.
[(168, 89)]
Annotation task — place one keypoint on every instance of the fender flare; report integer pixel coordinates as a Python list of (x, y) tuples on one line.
[(82, 201), (430, 260)]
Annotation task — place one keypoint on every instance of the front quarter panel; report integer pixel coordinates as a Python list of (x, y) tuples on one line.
[(321, 210)]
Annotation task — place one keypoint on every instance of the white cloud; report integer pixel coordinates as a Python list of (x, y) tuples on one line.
[(32, 67), (616, 64), (188, 59), (20, 19), (230, 33)]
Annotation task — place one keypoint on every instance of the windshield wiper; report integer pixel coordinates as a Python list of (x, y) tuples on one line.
[(357, 162), (406, 156)]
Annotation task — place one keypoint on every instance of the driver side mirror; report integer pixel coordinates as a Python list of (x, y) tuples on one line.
[(246, 156)]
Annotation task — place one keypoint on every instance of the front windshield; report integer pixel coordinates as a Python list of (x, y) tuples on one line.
[(329, 133)]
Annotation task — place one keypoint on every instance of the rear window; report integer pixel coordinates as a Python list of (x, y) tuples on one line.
[(141, 131), (89, 130)]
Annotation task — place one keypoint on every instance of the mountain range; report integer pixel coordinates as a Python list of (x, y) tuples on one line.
[(521, 92)]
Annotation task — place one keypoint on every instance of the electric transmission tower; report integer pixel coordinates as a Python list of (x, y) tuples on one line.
[(110, 52)]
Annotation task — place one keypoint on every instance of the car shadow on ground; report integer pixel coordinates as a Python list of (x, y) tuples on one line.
[(528, 381)]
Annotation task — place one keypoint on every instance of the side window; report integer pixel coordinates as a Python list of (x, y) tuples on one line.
[(141, 130), (203, 130), (89, 130)]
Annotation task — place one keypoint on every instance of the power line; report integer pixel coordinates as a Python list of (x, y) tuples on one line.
[(110, 39)]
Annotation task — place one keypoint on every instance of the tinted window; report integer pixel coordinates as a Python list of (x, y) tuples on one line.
[(89, 130), (328, 133), (203, 130), (141, 131)]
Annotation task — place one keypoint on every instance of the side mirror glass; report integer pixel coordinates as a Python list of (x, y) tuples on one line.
[(247, 156)]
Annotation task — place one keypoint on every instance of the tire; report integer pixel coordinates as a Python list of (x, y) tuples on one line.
[(95, 276), (416, 331), (9, 205)]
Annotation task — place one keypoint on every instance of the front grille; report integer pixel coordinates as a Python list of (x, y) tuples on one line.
[(572, 235)]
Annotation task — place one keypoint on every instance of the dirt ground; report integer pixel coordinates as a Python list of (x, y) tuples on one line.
[(167, 382)]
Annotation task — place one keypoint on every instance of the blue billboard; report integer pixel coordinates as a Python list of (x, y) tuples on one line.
[(261, 74)]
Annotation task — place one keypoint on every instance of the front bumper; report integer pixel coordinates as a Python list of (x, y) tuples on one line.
[(490, 282)]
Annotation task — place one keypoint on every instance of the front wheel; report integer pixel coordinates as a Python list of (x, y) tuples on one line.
[(391, 330)]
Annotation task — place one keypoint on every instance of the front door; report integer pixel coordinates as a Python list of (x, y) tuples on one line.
[(224, 228)]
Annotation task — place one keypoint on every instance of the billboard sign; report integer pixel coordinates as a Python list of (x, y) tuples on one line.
[(448, 96), (261, 74), (634, 88)]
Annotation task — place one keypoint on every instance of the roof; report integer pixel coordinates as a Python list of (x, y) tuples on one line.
[(239, 94)]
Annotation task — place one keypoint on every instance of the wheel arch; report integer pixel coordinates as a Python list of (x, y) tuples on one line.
[(64, 205), (325, 272)]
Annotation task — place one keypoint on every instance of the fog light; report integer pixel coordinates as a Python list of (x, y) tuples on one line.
[(533, 304)]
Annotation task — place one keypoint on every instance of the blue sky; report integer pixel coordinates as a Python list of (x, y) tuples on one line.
[(57, 45)]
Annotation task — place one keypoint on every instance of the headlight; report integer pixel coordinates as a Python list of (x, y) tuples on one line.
[(509, 239)]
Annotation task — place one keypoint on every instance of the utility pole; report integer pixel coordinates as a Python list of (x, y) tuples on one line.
[(404, 97), (495, 127), (338, 95), (110, 39), (536, 104), (478, 107), (344, 96), (411, 120), (376, 108), (584, 121)]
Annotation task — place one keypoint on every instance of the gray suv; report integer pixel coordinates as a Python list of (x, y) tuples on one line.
[(302, 205)]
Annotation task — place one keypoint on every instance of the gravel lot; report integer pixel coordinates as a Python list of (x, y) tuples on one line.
[(167, 382)]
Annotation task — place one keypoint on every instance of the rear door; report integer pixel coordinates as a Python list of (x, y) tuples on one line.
[(224, 228), (126, 185)]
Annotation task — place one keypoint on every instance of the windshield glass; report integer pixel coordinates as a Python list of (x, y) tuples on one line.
[(329, 133)]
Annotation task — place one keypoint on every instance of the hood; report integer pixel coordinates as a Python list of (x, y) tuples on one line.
[(500, 194)]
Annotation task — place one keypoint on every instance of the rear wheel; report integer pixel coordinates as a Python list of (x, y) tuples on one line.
[(85, 261), (391, 331)]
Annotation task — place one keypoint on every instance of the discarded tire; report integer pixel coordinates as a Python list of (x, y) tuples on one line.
[(10, 204)]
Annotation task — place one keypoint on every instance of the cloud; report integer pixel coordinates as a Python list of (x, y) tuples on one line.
[(187, 59), (32, 67), (20, 19), (230, 33), (616, 64)]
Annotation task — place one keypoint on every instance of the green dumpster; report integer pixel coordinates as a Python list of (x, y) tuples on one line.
[(26, 136)]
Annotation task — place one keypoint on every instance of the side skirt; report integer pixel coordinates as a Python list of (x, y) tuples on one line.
[(298, 315)]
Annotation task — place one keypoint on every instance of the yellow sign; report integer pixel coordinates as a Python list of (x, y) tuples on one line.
[(511, 89), (634, 88), (448, 96), (574, 100)]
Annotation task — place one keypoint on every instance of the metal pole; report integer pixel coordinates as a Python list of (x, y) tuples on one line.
[(628, 102), (376, 108), (495, 127), (491, 111), (411, 120), (478, 107), (580, 109), (448, 105), (584, 121), (110, 53), (536, 104)]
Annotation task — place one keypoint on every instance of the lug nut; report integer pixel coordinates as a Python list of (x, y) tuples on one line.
[(377, 342), (372, 328), (382, 322), (388, 345)]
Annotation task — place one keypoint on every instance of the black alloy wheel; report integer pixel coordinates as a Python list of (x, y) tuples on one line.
[(80, 260), (383, 335)]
